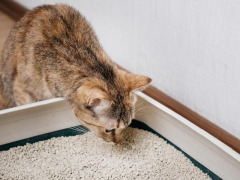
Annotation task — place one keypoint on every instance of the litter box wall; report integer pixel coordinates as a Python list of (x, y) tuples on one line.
[(51, 115), (189, 48)]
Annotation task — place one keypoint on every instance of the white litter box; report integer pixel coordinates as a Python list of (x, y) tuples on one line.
[(43, 117)]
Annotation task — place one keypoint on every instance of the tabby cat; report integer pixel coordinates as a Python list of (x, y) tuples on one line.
[(53, 52)]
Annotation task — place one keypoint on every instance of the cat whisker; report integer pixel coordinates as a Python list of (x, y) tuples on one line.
[(77, 130), (72, 123), (72, 114), (143, 113), (140, 109), (74, 126), (76, 119), (138, 105), (140, 113)]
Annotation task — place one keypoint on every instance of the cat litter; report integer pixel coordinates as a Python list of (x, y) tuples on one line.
[(141, 155)]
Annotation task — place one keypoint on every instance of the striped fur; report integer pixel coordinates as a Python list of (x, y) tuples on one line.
[(53, 52)]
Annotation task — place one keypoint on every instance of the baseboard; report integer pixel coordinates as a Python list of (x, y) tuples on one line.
[(195, 118), (16, 11), (13, 9)]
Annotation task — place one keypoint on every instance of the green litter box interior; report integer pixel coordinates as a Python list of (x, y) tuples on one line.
[(71, 132)]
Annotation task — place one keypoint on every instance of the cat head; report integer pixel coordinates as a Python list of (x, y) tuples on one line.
[(107, 108)]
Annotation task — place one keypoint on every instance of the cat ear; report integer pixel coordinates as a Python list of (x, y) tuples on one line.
[(138, 82), (93, 96), (135, 82), (98, 100)]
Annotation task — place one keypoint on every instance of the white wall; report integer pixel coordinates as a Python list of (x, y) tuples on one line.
[(190, 48)]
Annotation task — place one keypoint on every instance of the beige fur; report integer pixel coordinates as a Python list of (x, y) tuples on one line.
[(53, 52)]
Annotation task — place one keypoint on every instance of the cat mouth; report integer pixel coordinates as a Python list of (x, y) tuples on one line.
[(106, 141)]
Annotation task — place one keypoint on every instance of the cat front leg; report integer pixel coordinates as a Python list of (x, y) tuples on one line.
[(21, 95)]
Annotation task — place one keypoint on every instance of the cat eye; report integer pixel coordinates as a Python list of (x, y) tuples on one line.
[(107, 130)]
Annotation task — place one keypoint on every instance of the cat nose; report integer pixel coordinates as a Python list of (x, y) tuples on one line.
[(118, 140)]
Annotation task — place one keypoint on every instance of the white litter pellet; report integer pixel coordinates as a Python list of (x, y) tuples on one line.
[(141, 155)]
